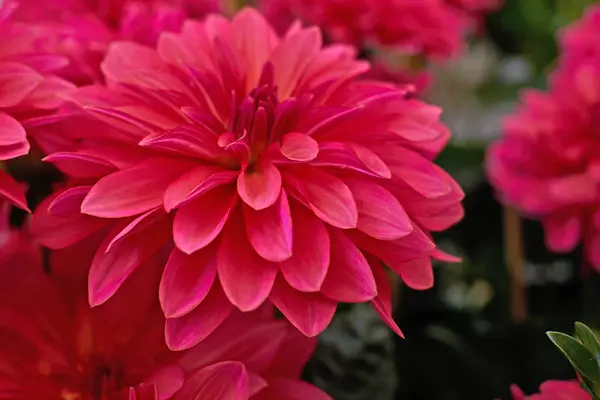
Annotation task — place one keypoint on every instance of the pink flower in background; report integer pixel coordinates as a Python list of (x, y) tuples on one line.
[(82, 29), (54, 346), (554, 390), (28, 89), (581, 39), (547, 164), (277, 174), (434, 28)]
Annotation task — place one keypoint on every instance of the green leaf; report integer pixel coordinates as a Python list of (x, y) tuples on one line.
[(581, 358), (588, 338)]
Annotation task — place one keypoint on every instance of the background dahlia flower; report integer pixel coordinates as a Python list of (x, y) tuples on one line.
[(276, 172), (55, 347), (547, 163), (554, 390), (81, 30), (28, 90)]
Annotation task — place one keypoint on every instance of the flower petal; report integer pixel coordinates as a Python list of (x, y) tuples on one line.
[(294, 389), (351, 157), (270, 230), (328, 196), (306, 269), (188, 140), (416, 273), (109, 270), (187, 331), (260, 187), (81, 166), (562, 233), (349, 278), (17, 81), (198, 223), (299, 147), (382, 303), (12, 191), (11, 131), (311, 313), (132, 191), (227, 380), (186, 281), (246, 277), (380, 214)]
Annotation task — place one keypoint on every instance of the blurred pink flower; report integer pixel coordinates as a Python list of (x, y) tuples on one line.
[(28, 89), (54, 346), (581, 39), (277, 174), (82, 29), (554, 390), (548, 165), (434, 28)]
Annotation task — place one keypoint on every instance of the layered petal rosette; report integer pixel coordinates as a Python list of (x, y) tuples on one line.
[(278, 175)]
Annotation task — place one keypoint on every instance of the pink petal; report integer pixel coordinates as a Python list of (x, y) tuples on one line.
[(187, 331), (562, 233), (17, 81), (186, 281), (137, 225), (349, 278), (12, 191), (168, 381), (299, 147), (189, 140), (68, 202), (353, 157), (124, 58), (311, 313), (380, 214), (198, 223), (306, 269), (227, 380), (196, 183), (14, 150), (132, 191), (419, 173), (81, 165), (260, 187), (440, 255), (417, 273), (382, 303), (57, 232), (109, 270), (270, 230), (256, 384), (11, 131), (328, 196), (294, 389), (246, 277)]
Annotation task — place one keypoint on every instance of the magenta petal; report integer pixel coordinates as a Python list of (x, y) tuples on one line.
[(328, 197), (187, 331), (349, 278), (306, 269), (190, 140), (419, 173), (12, 191), (11, 131), (186, 281), (17, 81), (380, 214), (198, 223), (137, 225), (58, 232), (310, 313), (260, 187), (352, 157), (562, 233), (382, 303), (81, 165), (299, 147), (256, 384), (109, 270), (168, 381), (246, 277), (416, 273), (226, 380), (440, 255), (195, 183), (270, 230), (68, 202), (132, 191)]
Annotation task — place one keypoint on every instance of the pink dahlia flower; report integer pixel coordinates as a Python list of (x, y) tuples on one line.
[(82, 29), (554, 390), (547, 163), (55, 347), (28, 89), (430, 27), (277, 174)]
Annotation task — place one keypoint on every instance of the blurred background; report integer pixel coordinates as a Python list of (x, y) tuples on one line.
[(483, 325)]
